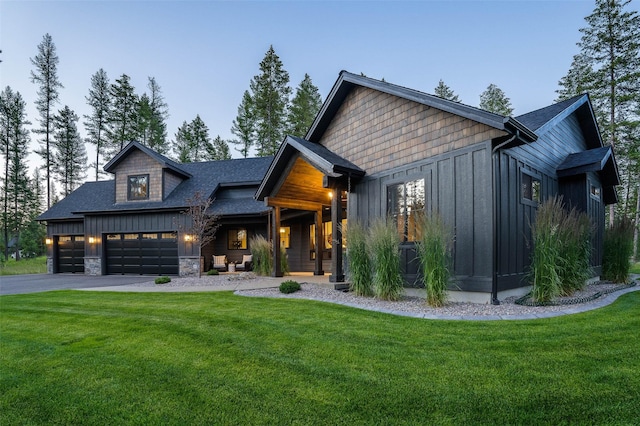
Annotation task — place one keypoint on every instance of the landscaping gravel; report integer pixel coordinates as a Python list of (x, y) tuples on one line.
[(408, 305)]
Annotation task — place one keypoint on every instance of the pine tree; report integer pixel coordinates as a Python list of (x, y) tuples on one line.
[(97, 123), (32, 237), (182, 143), (199, 138), (143, 117), (445, 92), (46, 77), (15, 143), (244, 125), (159, 114), (217, 149), (123, 114), (304, 107), (494, 100), (70, 153), (610, 50), (270, 93)]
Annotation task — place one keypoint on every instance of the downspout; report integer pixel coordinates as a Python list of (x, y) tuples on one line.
[(494, 184)]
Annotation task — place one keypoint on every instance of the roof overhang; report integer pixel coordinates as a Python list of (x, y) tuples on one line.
[(164, 161), (598, 160)]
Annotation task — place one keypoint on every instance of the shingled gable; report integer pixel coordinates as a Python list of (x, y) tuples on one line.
[(133, 145), (347, 81)]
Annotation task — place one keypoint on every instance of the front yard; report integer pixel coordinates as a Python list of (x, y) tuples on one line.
[(75, 357)]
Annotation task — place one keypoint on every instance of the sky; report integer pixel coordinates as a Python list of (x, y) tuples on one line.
[(203, 54)]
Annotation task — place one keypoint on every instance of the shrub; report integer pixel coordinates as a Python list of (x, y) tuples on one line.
[(385, 253), (284, 261), (289, 286), (359, 270), (163, 280), (618, 247), (213, 272), (434, 253), (261, 252)]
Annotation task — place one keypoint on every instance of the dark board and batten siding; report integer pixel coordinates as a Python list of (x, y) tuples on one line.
[(458, 185)]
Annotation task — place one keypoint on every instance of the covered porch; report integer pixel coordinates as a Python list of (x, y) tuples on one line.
[(305, 178)]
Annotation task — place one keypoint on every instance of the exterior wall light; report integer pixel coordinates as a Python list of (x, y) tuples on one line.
[(48, 241), (92, 240), (188, 237)]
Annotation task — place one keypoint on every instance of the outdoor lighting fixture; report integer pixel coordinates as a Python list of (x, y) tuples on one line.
[(48, 241), (330, 194), (282, 230), (188, 237), (92, 240)]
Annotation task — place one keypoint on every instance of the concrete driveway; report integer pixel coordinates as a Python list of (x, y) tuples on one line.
[(21, 284)]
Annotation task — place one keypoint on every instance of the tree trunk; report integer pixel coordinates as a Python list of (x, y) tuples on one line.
[(636, 227)]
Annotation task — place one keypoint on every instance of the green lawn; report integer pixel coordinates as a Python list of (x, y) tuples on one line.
[(37, 265), (74, 357), (635, 268)]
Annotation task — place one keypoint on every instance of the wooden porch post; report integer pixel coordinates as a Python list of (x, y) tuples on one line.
[(275, 234), (337, 275), (319, 248)]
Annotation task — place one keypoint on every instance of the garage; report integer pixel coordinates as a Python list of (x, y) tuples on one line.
[(142, 253), (71, 254)]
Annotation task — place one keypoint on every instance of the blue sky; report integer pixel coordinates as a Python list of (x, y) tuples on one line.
[(203, 54)]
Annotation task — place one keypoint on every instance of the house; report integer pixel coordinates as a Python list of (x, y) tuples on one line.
[(375, 149)]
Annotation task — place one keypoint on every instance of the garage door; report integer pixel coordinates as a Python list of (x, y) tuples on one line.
[(154, 253), (71, 254)]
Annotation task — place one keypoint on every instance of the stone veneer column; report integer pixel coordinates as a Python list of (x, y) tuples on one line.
[(189, 266), (92, 266), (49, 265)]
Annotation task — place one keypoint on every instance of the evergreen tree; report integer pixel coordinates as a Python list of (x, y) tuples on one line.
[(199, 138), (123, 114), (46, 77), (97, 123), (182, 143), (70, 155), (270, 93), (143, 117), (244, 125), (445, 92), (217, 149), (32, 237), (15, 144), (494, 100), (159, 114), (304, 107), (578, 80)]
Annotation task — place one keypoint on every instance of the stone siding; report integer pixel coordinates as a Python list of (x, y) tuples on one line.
[(49, 265), (377, 131), (189, 266), (138, 163), (92, 266)]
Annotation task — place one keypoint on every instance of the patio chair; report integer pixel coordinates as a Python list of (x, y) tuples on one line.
[(246, 264), (220, 262)]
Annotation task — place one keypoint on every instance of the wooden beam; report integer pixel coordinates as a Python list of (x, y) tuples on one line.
[(291, 203), (337, 274), (275, 233), (319, 248)]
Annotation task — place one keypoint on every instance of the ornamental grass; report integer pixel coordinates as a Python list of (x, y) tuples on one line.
[(359, 262), (433, 248), (618, 248), (385, 253), (261, 255)]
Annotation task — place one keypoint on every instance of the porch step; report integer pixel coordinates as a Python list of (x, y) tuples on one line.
[(341, 286)]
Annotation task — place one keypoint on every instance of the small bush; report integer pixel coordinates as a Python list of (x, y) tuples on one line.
[(360, 268), (289, 286), (433, 248), (261, 252), (618, 247), (213, 272), (163, 280), (385, 253)]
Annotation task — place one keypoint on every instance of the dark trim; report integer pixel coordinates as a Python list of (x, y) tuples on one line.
[(129, 186)]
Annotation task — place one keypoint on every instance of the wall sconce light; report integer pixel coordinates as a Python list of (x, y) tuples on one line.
[(48, 241), (331, 195), (92, 240), (282, 230), (188, 237)]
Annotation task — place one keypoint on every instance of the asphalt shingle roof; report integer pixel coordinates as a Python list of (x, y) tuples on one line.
[(207, 177), (536, 119)]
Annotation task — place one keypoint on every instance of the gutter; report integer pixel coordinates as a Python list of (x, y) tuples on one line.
[(494, 281)]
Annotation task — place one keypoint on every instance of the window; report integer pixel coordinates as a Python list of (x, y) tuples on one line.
[(138, 187), (328, 239), (404, 202), (531, 189), (237, 239), (285, 236), (595, 192)]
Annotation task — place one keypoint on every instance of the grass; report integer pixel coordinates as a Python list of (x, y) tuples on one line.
[(36, 265), (88, 358), (635, 268)]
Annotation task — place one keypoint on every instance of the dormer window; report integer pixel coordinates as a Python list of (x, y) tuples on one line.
[(138, 187)]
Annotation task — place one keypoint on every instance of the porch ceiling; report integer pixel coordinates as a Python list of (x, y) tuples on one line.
[(303, 182)]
